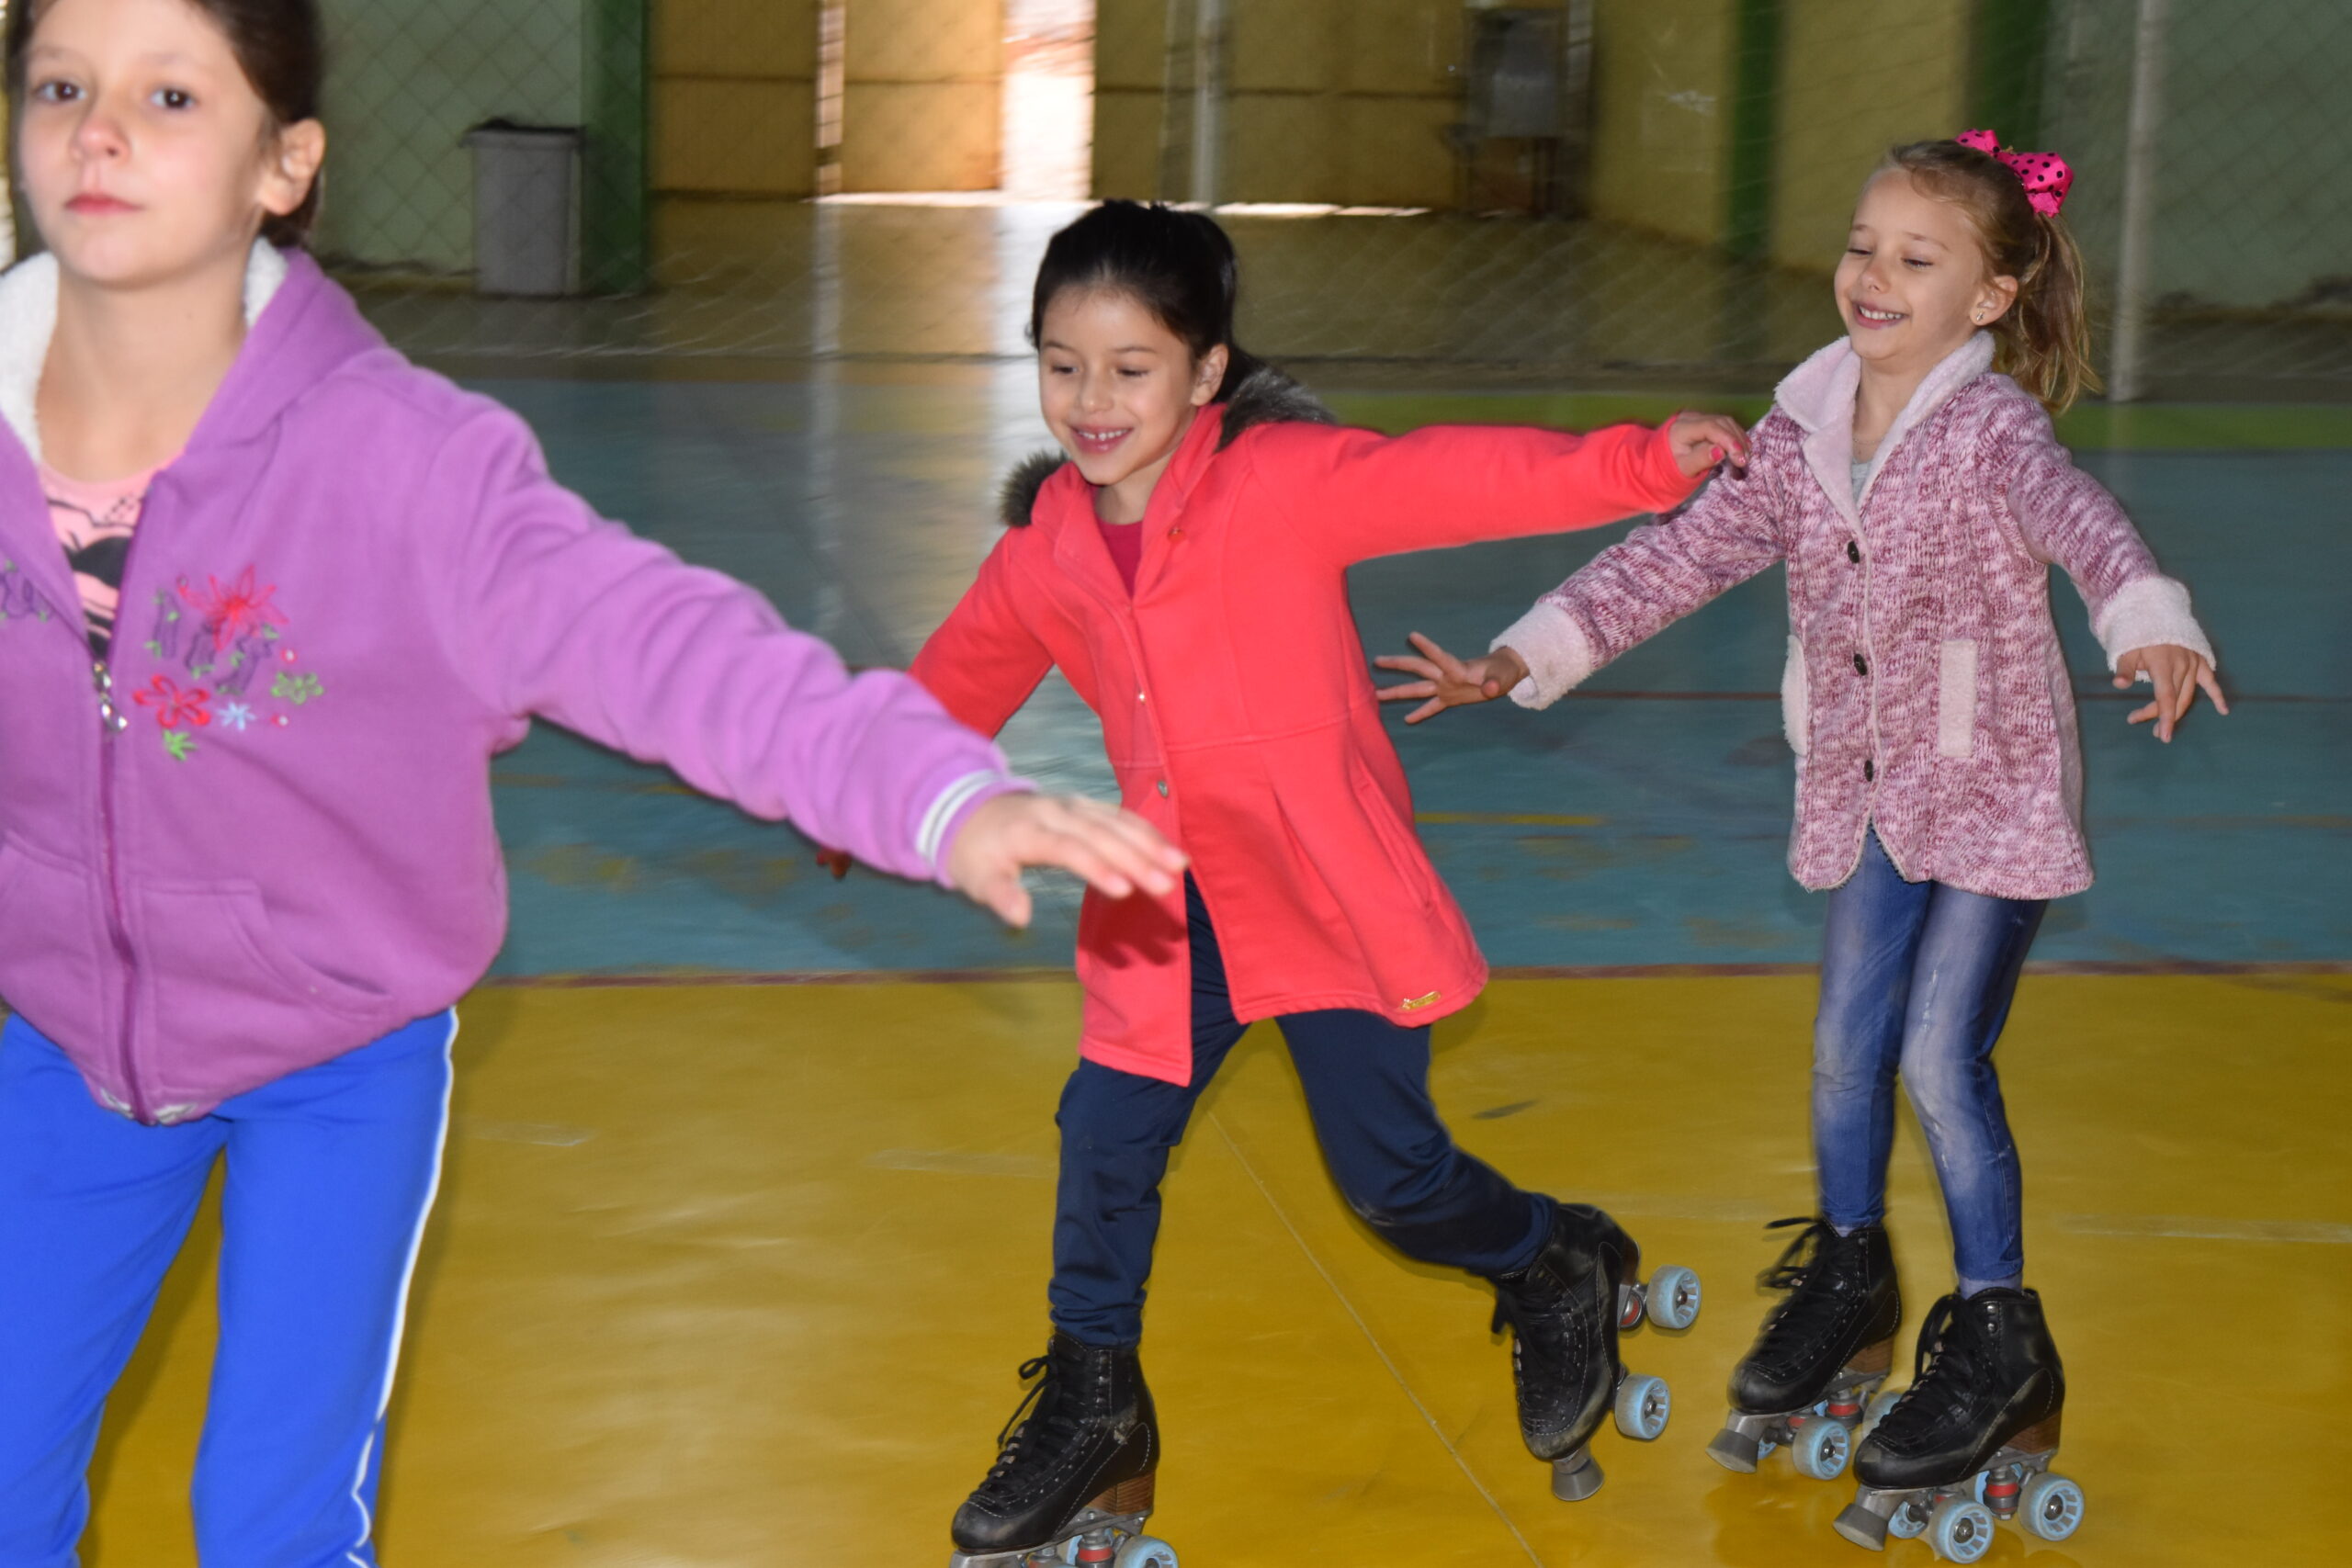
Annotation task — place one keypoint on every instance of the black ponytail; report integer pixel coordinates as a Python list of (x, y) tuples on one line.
[(1178, 266)]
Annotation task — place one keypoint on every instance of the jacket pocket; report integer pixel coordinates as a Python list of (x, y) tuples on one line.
[(52, 968), (214, 944), (1796, 697), (1407, 861), (1956, 698)]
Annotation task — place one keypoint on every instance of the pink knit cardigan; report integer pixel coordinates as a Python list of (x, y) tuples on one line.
[(1925, 692)]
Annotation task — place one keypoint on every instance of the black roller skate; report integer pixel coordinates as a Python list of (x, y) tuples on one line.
[(1073, 1482), (1808, 1383), (1565, 1311), (1971, 1441)]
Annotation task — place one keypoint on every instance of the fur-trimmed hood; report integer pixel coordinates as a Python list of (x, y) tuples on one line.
[(1265, 396)]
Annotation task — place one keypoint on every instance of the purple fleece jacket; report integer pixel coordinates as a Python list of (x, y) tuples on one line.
[(262, 838)]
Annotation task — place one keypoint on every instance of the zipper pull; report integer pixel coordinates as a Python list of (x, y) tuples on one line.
[(109, 716)]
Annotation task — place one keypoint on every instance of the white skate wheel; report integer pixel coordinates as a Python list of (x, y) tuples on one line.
[(1821, 1450), (2051, 1506), (1960, 1531), (1643, 1406), (1673, 1297), (1144, 1552)]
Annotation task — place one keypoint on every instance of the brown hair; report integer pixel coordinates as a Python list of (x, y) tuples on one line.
[(2043, 341), (278, 45)]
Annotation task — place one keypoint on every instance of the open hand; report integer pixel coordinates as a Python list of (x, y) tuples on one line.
[(1447, 681), (1115, 852), (2176, 673), (1702, 440)]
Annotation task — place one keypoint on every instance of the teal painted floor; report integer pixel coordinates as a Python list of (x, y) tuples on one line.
[(860, 500)]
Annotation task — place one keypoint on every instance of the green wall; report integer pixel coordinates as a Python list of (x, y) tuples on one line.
[(405, 80)]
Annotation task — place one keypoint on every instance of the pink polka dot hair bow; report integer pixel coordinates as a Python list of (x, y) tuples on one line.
[(2045, 175)]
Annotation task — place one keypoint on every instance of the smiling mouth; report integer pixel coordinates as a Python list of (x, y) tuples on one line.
[(1094, 443), (1877, 318)]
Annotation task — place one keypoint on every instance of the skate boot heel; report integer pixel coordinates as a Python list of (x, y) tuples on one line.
[(2041, 1438), (1576, 1475), (1135, 1496)]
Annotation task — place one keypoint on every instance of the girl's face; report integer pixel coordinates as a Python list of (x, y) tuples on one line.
[(145, 151), (1914, 283), (1119, 391)]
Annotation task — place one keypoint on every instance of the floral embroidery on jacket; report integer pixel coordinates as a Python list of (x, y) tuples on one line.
[(226, 635)]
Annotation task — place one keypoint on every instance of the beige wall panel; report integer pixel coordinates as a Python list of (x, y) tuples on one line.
[(1401, 46), (923, 136), (1396, 153), (1662, 84), (922, 40), (1130, 43), (735, 37), (1127, 143), (1285, 46), (1831, 135), (1282, 149), (745, 138)]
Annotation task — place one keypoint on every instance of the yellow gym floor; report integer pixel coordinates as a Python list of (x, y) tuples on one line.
[(739, 1275)]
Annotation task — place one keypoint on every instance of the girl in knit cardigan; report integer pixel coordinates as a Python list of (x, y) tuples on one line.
[(1917, 495)]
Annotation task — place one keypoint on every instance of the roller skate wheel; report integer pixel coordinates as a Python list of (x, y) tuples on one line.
[(2051, 1506), (1145, 1552), (1821, 1450), (1960, 1531), (1908, 1521), (1673, 1297), (1643, 1406)]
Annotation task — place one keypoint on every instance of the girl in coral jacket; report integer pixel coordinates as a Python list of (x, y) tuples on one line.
[(1183, 560), (1918, 497), (270, 599)]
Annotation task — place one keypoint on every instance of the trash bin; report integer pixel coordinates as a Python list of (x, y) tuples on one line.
[(522, 179)]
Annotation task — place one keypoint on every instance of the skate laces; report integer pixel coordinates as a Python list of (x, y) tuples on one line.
[(1801, 1318), (1943, 1374), (1053, 1419)]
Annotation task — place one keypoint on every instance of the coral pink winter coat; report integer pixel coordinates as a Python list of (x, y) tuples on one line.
[(1236, 703), (1925, 691)]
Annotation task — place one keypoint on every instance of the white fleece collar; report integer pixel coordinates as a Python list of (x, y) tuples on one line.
[(1819, 395), (28, 319)]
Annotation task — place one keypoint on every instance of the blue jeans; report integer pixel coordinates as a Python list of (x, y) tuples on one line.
[(1916, 977), (1367, 1083), (330, 1174)]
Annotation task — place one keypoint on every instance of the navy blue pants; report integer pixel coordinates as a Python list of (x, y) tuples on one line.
[(1367, 1088), (331, 1172)]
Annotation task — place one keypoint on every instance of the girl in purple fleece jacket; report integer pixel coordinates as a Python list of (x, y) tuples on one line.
[(270, 600), (1918, 498)]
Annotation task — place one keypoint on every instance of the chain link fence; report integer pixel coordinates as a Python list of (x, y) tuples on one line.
[(1423, 191)]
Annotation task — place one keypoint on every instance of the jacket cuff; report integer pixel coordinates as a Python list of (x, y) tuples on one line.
[(1667, 482), (2147, 612), (1558, 655), (952, 808)]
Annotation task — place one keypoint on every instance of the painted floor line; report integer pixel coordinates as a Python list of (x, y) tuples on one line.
[(1373, 1340), (1031, 974), (2193, 1227)]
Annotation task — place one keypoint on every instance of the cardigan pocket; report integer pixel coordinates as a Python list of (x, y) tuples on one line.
[(50, 963), (1956, 698), (1796, 697)]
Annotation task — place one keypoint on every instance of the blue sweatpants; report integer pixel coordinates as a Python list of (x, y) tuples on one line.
[(330, 1174), (1367, 1083)]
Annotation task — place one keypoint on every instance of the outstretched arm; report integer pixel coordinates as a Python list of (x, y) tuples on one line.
[(551, 610), (1354, 494), (2141, 616)]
